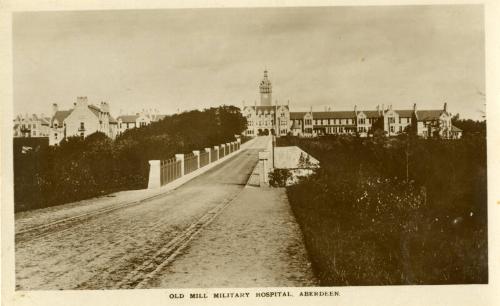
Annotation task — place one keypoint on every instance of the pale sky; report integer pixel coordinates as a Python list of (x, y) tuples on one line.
[(196, 58)]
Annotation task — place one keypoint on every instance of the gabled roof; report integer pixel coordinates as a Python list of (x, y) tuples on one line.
[(95, 110), (429, 114), (112, 120), (334, 115), (60, 116), (297, 115), (405, 113), (455, 129), (128, 118), (371, 114)]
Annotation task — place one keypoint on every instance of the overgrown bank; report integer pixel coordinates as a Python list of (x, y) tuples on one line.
[(84, 168), (402, 210)]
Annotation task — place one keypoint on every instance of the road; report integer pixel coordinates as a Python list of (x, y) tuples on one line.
[(132, 246)]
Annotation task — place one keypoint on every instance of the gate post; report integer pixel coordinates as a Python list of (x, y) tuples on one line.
[(154, 180), (181, 158)]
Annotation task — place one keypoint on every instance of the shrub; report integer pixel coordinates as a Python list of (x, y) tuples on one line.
[(279, 177), (84, 168), (367, 220)]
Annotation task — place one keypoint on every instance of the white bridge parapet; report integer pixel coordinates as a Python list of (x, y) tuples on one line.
[(159, 169)]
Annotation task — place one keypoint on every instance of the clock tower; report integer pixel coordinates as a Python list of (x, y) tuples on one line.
[(266, 91)]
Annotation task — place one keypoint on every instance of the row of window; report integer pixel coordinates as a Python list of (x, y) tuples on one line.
[(264, 123), (401, 120)]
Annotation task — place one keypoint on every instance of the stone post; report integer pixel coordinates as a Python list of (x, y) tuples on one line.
[(197, 154), (209, 154), (154, 180), (181, 158), (263, 168), (216, 148), (223, 148)]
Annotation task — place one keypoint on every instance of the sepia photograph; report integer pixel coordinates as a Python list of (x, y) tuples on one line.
[(249, 147)]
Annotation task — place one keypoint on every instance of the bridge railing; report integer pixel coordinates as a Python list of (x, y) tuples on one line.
[(170, 170), (163, 172)]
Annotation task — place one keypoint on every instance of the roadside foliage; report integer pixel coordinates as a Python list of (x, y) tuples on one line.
[(97, 165), (391, 211)]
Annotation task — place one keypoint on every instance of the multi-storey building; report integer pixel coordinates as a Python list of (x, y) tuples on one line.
[(31, 126), (265, 119), (145, 117), (279, 120), (82, 120)]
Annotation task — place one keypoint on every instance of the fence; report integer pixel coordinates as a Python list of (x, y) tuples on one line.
[(190, 163), (204, 159), (170, 170), (166, 171)]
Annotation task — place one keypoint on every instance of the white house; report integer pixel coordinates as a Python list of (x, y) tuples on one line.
[(84, 119)]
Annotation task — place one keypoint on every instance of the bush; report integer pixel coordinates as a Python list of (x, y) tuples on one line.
[(279, 177), (84, 168), (401, 210)]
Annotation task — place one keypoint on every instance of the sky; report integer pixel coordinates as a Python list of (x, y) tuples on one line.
[(181, 59)]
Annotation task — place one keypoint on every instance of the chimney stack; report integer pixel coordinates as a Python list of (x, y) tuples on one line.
[(415, 107), (445, 107), (378, 109), (81, 101), (104, 107), (355, 109), (55, 108)]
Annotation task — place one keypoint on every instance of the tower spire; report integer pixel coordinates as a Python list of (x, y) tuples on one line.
[(266, 90)]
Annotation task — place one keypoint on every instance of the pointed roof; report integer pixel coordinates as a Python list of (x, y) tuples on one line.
[(128, 118), (334, 115), (429, 114), (297, 115), (265, 84), (60, 116)]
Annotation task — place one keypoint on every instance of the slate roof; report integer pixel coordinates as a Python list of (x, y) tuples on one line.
[(371, 114), (95, 110), (428, 114), (405, 113), (297, 115), (128, 118), (60, 116), (334, 115)]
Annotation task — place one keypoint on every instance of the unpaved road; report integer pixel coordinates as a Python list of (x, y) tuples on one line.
[(105, 251), (255, 242)]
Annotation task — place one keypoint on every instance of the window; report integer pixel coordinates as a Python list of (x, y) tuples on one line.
[(392, 129), (282, 115), (391, 120), (400, 129), (399, 120), (55, 136), (361, 121), (82, 125)]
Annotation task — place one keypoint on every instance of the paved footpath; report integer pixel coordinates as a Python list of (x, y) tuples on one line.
[(255, 242)]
